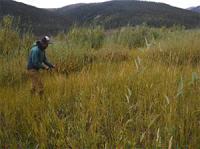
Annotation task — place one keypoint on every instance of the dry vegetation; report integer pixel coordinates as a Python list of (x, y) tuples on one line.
[(132, 88)]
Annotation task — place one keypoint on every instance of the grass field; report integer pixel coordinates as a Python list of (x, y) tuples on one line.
[(135, 87)]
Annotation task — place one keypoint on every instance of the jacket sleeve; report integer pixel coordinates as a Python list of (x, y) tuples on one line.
[(46, 62), (35, 59)]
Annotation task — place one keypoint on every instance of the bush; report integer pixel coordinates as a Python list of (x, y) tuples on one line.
[(88, 38), (9, 37), (14, 48), (134, 37), (179, 48)]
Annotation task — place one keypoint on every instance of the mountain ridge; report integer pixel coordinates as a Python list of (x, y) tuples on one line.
[(110, 14), (195, 9), (119, 13)]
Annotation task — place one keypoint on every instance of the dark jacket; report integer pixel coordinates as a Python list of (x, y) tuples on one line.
[(37, 57)]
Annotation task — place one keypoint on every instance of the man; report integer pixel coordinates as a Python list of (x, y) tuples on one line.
[(38, 60)]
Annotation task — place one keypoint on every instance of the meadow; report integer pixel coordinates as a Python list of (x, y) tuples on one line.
[(132, 87)]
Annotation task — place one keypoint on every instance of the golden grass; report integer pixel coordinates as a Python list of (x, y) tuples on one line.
[(105, 98), (107, 104)]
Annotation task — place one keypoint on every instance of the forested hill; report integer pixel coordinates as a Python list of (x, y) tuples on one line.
[(41, 20), (111, 14), (119, 13)]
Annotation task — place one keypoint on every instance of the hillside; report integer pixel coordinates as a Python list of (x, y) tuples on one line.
[(195, 9), (111, 14)]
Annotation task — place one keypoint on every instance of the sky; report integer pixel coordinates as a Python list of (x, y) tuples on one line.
[(61, 3)]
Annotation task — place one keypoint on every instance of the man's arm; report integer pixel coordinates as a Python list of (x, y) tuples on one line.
[(46, 62)]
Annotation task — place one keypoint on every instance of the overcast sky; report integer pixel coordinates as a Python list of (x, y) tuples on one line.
[(61, 3)]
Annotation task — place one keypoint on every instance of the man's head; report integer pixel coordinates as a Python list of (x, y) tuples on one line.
[(45, 42)]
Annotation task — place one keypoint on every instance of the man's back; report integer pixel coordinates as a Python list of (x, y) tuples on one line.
[(36, 58)]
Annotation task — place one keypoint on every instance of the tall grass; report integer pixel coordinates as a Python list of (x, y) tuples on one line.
[(104, 96)]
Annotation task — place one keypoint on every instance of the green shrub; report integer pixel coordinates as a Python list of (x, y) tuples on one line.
[(178, 48), (14, 48), (9, 37), (88, 38), (134, 37)]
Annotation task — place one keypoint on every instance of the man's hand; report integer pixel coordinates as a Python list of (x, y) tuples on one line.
[(54, 66), (47, 67)]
